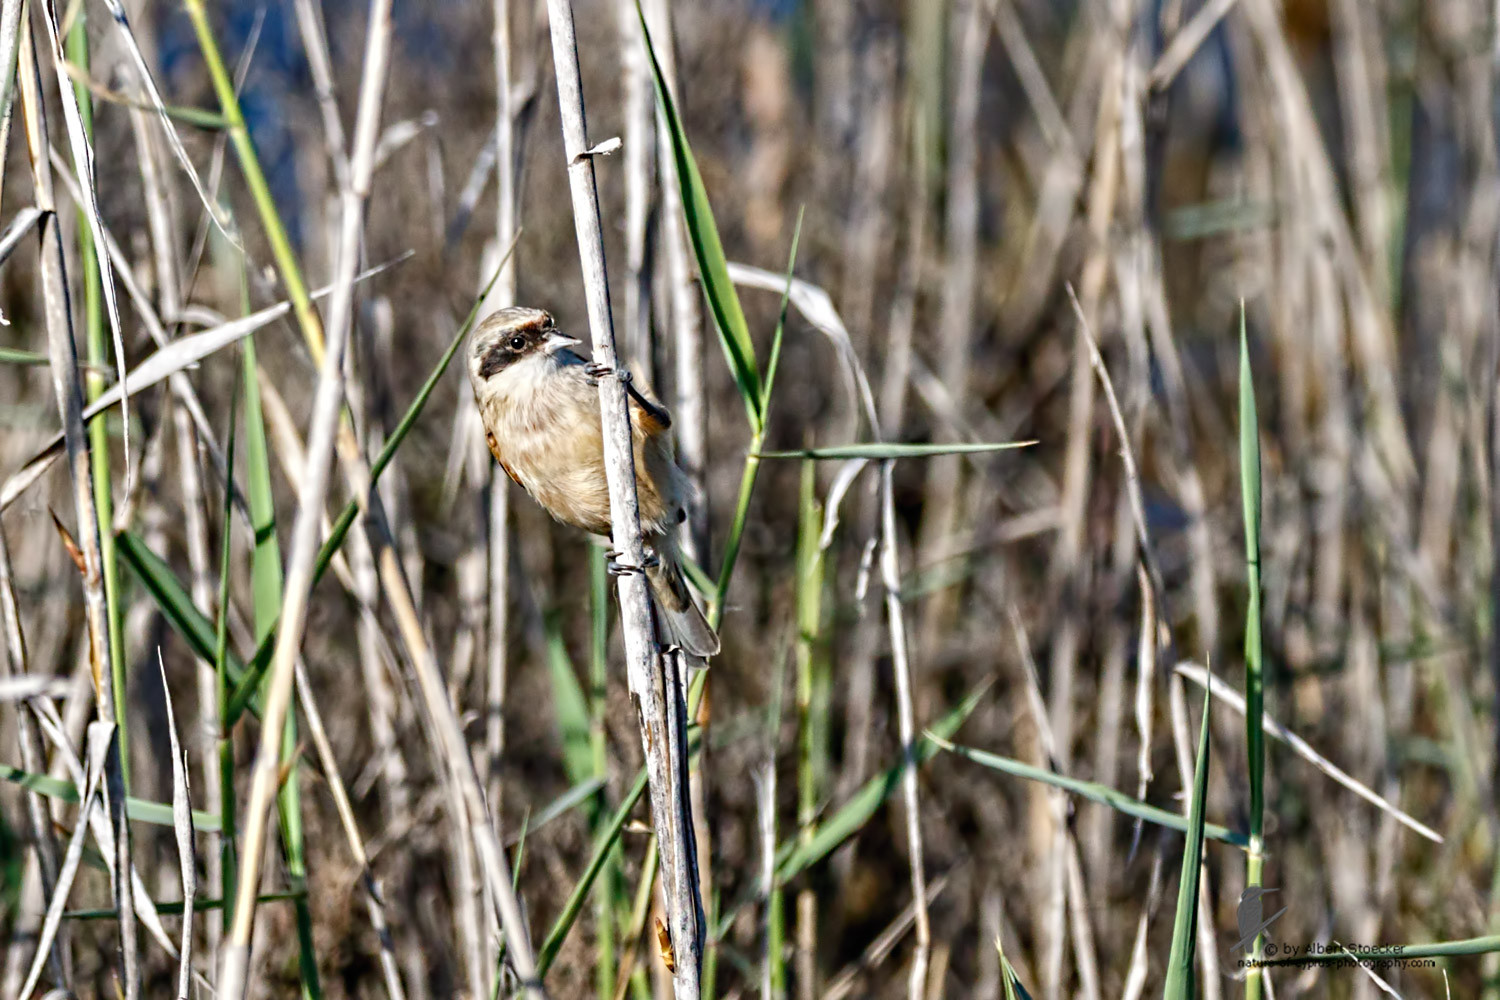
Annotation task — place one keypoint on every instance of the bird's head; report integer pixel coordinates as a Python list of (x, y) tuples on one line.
[(511, 335)]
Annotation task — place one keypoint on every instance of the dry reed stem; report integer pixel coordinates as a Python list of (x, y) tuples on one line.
[(33, 758), (325, 426), (83, 165), (182, 823), (177, 381), (657, 692), (1127, 453), (941, 517), (315, 45), (765, 812), (101, 739), (1222, 692), (689, 402), (1135, 975), (211, 207), (62, 352), (1187, 41), (374, 897), (640, 138), (498, 533), (1067, 884), (880, 947), (890, 573), (10, 47)]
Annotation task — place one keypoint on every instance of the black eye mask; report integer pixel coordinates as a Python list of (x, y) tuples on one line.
[(508, 350)]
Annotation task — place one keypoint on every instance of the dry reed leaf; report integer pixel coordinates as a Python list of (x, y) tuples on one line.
[(664, 946)]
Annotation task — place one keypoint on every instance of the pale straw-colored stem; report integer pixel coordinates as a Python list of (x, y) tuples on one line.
[(653, 685), (63, 355), (327, 408)]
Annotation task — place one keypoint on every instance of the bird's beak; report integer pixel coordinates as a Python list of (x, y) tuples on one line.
[(557, 342)]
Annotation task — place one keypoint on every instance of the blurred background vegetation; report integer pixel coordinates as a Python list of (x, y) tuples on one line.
[(958, 165)]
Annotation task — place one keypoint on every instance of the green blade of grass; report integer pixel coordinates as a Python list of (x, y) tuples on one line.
[(229, 865), (748, 478), (1180, 984), (255, 180), (176, 605), (608, 900), (265, 561), (97, 343), (175, 908), (736, 538), (155, 813), (1254, 673), (796, 856), (1102, 794), (1013, 988), (713, 266), (875, 451), (15, 356), (570, 707), (855, 813), (565, 803), (265, 592), (812, 668), (604, 843), (812, 724), (774, 361)]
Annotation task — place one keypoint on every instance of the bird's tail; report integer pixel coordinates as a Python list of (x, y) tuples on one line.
[(680, 615)]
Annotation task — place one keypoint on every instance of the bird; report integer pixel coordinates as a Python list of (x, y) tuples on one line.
[(539, 402)]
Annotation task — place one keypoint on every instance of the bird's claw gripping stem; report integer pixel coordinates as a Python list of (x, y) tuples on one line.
[(595, 371), (616, 567)]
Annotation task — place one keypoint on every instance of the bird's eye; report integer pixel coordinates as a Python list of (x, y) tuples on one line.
[(517, 342)]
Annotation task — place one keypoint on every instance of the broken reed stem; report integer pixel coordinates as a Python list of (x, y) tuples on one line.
[(63, 358), (657, 694)]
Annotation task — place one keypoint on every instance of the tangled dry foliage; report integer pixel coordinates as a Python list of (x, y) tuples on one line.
[(981, 185)]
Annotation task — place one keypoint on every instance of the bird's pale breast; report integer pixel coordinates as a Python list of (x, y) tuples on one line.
[(547, 434)]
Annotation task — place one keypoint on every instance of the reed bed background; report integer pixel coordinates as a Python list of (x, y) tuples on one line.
[(1228, 266)]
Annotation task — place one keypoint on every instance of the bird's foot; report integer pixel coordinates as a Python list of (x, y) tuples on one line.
[(617, 567), (595, 371)]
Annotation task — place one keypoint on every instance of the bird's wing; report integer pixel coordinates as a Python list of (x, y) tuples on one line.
[(489, 439)]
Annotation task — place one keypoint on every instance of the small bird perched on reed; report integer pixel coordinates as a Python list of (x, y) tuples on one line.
[(540, 405)]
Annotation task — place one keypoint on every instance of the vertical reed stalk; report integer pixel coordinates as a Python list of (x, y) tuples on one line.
[(63, 358), (327, 409), (810, 724), (658, 695), (690, 407), (97, 340), (1254, 660), (503, 294)]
